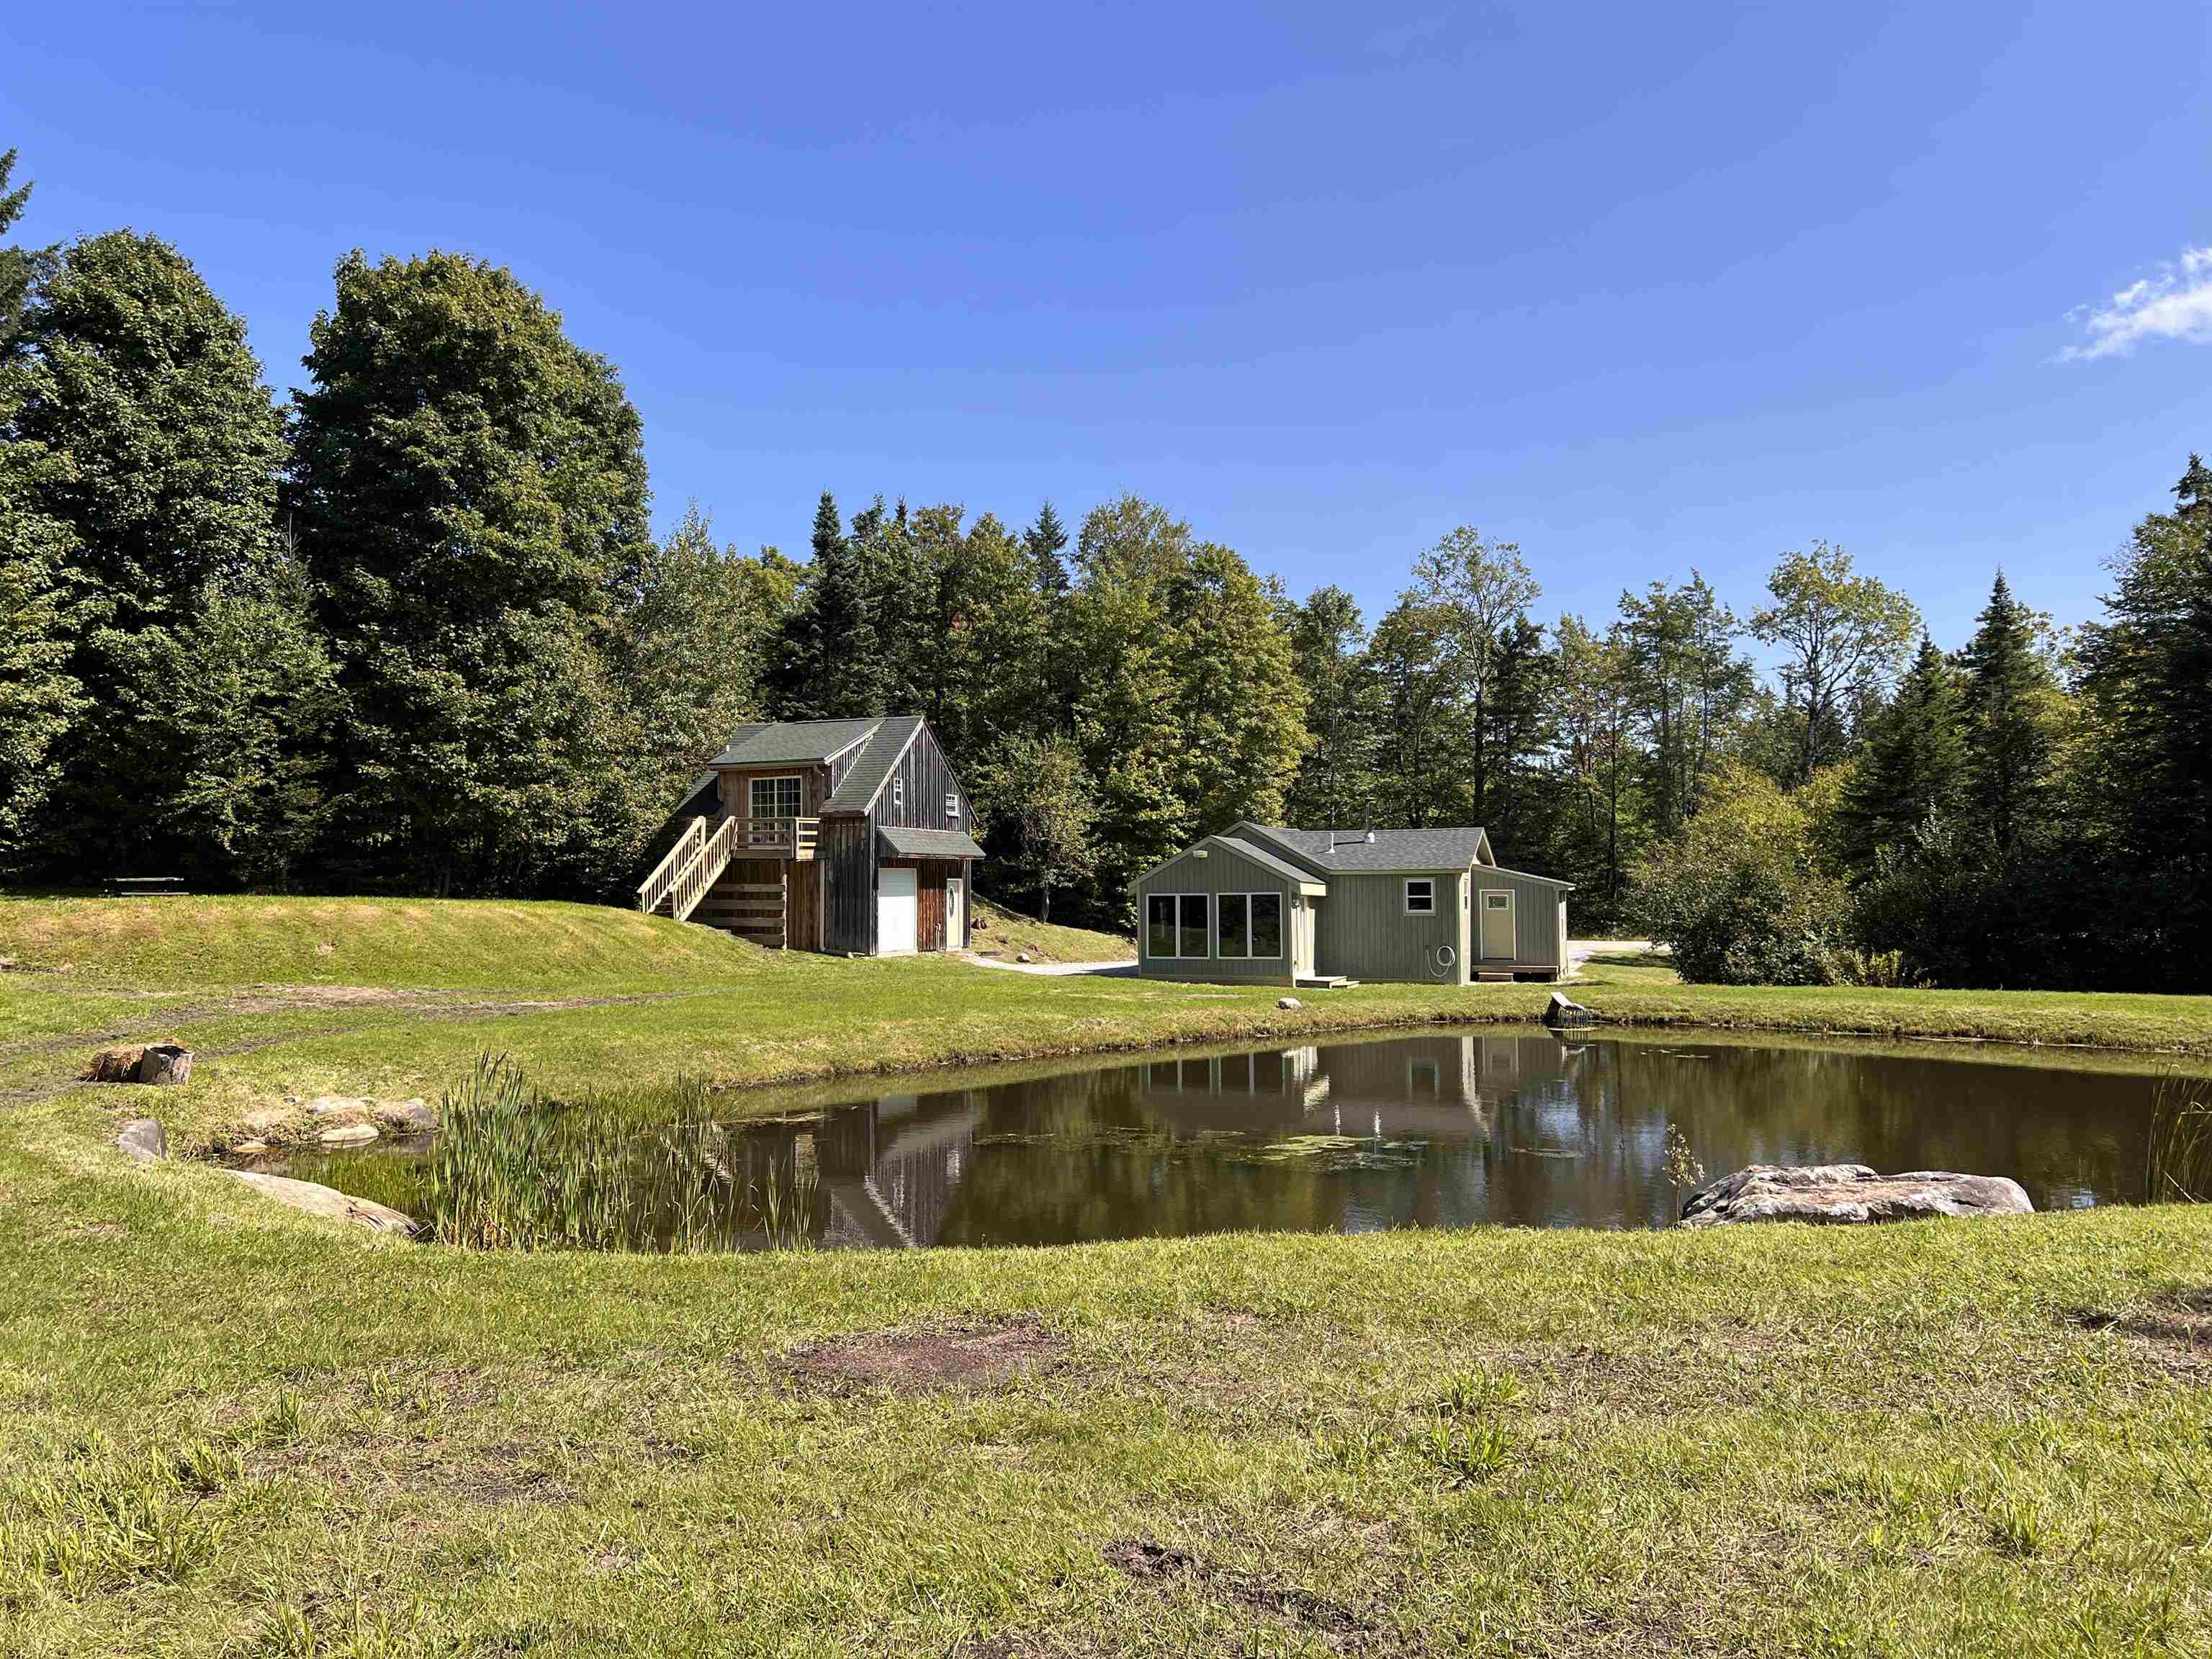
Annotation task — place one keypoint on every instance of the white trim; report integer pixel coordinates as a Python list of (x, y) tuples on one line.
[(758, 779), (1407, 894), (1248, 954), (1144, 929)]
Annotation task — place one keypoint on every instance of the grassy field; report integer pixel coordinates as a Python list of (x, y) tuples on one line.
[(227, 1429)]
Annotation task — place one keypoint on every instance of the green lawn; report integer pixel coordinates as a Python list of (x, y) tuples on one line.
[(227, 1429)]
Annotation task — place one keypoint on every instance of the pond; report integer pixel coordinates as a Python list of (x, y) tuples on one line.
[(1439, 1129)]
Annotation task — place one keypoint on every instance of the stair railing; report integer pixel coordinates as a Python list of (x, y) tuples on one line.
[(706, 867), (653, 889)]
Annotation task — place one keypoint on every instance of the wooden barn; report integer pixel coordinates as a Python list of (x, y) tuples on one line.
[(848, 836)]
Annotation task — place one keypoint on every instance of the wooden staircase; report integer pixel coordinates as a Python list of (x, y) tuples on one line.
[(683, 878)]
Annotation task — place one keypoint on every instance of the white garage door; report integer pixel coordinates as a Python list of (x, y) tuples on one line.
[(898, 915)]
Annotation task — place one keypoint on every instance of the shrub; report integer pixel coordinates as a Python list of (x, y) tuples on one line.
[(1743, 896)]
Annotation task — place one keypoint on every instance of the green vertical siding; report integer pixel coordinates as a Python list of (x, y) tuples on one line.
[(1220, 872), (1539, 916), (1365, 934)]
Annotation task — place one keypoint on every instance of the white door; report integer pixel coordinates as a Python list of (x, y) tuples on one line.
[(1497, 922), (898, 912), (955, 900)]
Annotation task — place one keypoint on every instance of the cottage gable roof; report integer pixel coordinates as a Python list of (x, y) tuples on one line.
[(1390, 851), (793, 742)]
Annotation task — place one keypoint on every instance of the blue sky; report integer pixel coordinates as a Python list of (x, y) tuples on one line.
[(1640, 287)]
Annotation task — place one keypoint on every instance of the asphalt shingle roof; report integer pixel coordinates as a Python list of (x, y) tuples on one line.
[(1267, 860), (905, 844), (1391, 851), (792, 742), (873, 764)]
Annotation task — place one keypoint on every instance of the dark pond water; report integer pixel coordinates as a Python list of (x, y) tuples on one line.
[(1435, 1130)]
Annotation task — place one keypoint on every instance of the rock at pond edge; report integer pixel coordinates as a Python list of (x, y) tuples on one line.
[(1848, 1194), (327, 1201)]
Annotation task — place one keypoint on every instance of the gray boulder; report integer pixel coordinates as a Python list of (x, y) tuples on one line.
[(1848, 1193), (165, 1064), (327, 1201), (142, 1138), (407, 1117)]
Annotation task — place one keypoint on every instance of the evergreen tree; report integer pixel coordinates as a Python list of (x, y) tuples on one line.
[(471, 497), (2007, 705), (42, 609), (1914, 761), (1693, 689), (1599, 826), (2148, 674), (1046, 540), (1521, 728), (21, 268), (1423, 727), (164, 450)]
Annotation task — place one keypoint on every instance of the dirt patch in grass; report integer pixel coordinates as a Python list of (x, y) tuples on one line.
[(2171, 1332), (501, 1476), (1147, 1563), (976, 1354)]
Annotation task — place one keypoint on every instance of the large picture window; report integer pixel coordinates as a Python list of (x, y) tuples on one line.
[(1174, 925), (1249, 924), (776, 798)]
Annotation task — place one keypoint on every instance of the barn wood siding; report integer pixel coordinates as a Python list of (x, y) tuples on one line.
[(846, 856), (1365, 934), (1220, 872), (927, 779), (817, 780), (803, 888), (1539, 919)]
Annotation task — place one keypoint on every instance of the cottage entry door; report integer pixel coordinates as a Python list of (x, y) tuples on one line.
[(1497, 923), (955, 902)]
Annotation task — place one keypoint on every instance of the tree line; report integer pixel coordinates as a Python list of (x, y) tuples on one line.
[(412, 631)]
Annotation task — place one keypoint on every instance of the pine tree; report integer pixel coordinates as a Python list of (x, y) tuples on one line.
[(20, 267), (1914, 762), (2007, 705), (1045, 541), (1336, 784)]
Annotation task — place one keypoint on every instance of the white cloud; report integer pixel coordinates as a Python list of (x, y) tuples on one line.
[(2174, 304)]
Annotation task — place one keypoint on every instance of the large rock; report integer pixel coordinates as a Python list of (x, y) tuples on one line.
[(115, 1065), (142, 1138), (1841, 1193), (407, 1117), (166, 1063), (327, 1201)]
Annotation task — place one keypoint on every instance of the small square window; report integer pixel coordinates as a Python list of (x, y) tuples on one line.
[(1420, 898), (952, 806)]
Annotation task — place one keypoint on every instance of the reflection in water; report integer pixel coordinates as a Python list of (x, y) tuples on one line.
[(1431, 1131)]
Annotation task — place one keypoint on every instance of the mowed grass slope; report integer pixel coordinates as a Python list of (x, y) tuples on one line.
[(391, 998), (227, 1429)]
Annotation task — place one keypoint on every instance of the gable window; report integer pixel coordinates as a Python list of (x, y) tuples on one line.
[(1174, 925), (952, 806), (898, 790), (1249, 924), (775, 798), (1421, 895)]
